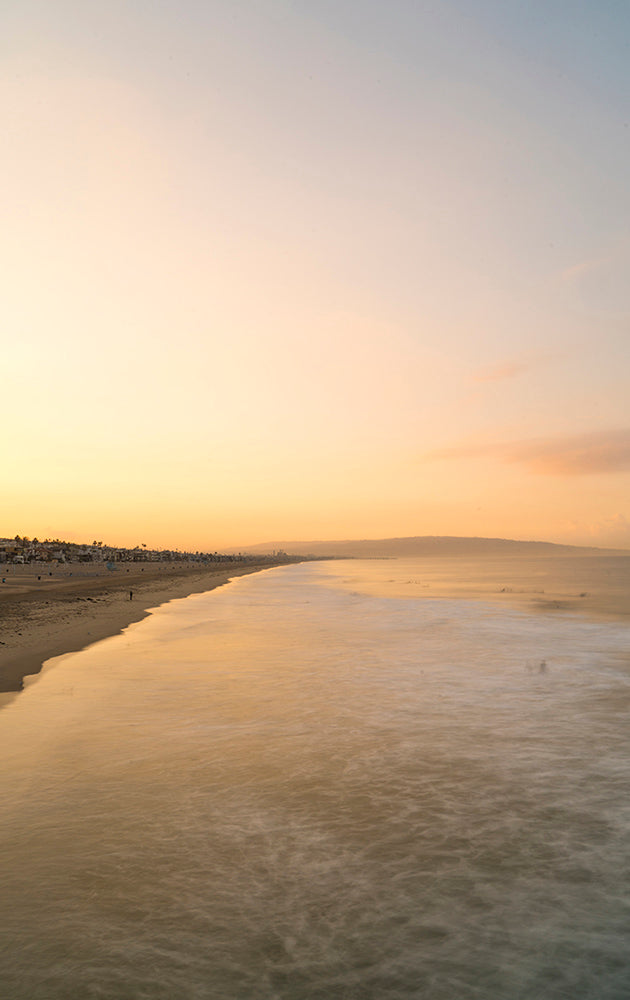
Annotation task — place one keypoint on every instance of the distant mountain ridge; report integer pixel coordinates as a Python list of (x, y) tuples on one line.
[(426, 545)]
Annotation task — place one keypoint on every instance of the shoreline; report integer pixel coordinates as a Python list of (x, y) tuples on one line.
[(44, 618), (46, 614)]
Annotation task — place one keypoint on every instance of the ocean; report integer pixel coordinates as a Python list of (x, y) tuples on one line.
[(305, 785)]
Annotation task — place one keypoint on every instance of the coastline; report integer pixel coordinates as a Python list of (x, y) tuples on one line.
[(44, 613), (43, 617)]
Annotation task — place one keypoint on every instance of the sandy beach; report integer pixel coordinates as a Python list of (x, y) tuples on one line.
[(48, 611)]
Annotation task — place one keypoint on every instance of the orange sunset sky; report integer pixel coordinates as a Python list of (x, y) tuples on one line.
[(315, 269)]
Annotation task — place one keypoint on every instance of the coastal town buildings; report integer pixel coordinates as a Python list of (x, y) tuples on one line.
[(22, 550)]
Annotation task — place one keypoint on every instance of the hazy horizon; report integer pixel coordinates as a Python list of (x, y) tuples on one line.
[(413, 544), (317, 546), (316, 271)]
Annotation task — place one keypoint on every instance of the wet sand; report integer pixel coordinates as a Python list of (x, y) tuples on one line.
[(46, 612), (80, 604)]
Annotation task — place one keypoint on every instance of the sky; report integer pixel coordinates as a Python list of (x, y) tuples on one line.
[(279, 269)]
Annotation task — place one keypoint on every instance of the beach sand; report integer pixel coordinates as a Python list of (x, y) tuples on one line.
[(49, 611)]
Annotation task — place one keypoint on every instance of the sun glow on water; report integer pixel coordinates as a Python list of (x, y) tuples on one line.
[(285, 790)]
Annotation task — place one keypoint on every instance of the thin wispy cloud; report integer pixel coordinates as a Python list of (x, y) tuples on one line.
[(576, 271), (507, 368), (601, 282), (592, 453), (613, 255), (498, 372)]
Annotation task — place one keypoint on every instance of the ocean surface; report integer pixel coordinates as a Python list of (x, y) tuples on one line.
[(303, 786)]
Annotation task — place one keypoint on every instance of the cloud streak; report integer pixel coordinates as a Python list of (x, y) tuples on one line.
[(577, 271), (496, 373), (595, 453), (512, 367)]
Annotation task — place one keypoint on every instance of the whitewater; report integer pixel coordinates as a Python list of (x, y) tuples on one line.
[(293, 788)]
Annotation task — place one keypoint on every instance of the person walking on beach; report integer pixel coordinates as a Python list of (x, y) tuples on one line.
[(131, 595)]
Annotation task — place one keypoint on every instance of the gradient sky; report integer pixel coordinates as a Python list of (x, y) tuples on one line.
[(315, 269)]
